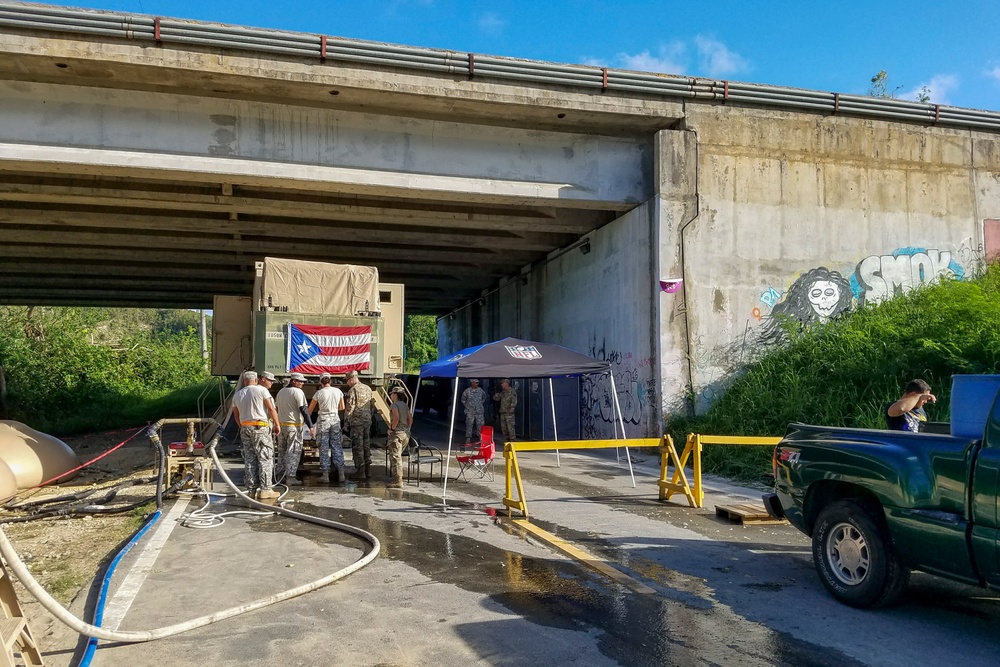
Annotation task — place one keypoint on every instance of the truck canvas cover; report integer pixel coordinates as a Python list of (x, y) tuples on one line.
[(318, 288)]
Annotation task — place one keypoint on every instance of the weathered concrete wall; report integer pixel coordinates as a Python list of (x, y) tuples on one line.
[(599, 303), (561, 166), (809, 216)]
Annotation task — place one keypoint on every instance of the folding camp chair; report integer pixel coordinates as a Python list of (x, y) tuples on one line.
[(424, 455), (479, 462)]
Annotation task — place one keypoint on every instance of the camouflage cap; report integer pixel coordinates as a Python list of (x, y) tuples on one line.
[(298, 377), (267, 375), (473, 380)]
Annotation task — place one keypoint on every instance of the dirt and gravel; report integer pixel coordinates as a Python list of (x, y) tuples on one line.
[(66, 553)]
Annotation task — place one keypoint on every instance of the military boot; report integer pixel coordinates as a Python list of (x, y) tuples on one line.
[(397, 481), (368, 471), (324, 477), (360, 474), (267, 494), (340, 475)]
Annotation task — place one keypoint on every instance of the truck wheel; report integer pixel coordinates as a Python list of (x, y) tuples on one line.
[(854, 557)]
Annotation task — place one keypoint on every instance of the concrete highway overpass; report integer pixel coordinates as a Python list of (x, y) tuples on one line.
[(150, 162)]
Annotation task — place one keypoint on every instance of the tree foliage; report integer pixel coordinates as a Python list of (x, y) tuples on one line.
[(419, 341), (880, 86), (73, 369)]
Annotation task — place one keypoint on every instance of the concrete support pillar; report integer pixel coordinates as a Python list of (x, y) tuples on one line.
[(676, 177)]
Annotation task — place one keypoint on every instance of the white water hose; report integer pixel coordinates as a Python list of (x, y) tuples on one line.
[(62, 614)]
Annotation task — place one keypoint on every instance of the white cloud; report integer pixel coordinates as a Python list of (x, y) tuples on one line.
[(491, 23), (716, 60), (668, 59), (939, 88), (994, 73)]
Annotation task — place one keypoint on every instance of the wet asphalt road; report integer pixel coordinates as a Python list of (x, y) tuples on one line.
[(454, 586)]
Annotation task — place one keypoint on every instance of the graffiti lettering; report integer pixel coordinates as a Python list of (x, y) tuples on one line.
[(770, 297), (635, 387), (879, 277)]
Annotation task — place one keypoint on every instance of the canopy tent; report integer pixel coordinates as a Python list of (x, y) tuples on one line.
[(514, 357)]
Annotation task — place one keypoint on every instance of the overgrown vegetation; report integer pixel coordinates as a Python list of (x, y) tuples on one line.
[(73, 370), (845, 372)]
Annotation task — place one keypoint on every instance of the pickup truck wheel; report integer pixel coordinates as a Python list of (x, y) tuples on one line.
[(854, 557)]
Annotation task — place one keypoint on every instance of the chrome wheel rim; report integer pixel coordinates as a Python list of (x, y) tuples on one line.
[(847, 553)]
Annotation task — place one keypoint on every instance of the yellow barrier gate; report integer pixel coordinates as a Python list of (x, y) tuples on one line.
[(678, 482), (513, 472), (673, 478)]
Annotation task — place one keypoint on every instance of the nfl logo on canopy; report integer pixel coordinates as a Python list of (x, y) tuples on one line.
[(526, 352)]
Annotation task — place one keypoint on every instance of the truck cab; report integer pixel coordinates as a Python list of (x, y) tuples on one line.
[(878, 504)]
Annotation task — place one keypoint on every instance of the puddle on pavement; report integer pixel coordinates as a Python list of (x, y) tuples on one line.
[(635, 629)]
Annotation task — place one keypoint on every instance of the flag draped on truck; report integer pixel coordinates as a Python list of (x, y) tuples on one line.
[(314, 349)]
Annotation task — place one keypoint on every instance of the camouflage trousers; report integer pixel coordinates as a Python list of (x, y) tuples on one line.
[(507, 426), (258, 457), (398, 440), (330, 439), (473, 425), (361, 443), (288, 453)]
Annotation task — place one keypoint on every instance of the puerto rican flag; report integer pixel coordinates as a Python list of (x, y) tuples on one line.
[(315, 349)]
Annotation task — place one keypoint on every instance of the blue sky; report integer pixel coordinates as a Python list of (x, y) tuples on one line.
[(951, 48)]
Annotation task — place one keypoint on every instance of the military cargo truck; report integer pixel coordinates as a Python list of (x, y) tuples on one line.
[(309, 317)]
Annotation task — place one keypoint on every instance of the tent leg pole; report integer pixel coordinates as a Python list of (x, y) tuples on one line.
[(618, 409), (614, 422), (555, 432), (415, 394), (451, 432)]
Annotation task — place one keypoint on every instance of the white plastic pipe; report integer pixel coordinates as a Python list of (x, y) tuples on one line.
[(63, 615)]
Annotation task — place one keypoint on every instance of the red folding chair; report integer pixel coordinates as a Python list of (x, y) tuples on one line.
[(479, 462)]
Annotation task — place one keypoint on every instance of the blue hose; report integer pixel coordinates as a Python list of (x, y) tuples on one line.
[(102, 599)]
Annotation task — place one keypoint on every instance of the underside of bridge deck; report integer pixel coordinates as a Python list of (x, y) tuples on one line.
[(91, 240)]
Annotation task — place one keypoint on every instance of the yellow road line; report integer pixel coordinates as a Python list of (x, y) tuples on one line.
[(585, 558)]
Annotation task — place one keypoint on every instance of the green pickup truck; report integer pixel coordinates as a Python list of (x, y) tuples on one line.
[(878, 504)]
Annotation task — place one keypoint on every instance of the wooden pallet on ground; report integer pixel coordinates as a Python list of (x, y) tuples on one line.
[(746, 514)]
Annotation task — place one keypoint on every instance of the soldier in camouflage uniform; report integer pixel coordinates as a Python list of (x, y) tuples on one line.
[(508, 401), (358, 417), (473, 400), (254, 411), (399, 436)]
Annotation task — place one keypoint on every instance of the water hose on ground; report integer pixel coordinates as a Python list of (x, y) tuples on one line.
[(112, 490), (102, 599), (62, 614)]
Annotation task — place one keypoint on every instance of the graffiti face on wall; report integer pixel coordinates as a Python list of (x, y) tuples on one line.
[(878, 277), (814, 297), (824, 297)]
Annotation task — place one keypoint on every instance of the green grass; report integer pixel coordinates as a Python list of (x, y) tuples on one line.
[(63, 583), (130, 410), (844, 372), (136, 518)]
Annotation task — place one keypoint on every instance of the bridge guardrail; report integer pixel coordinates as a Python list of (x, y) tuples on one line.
[(307, 45)]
